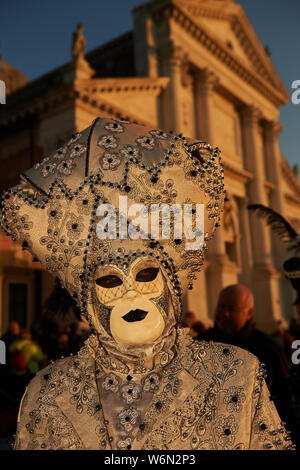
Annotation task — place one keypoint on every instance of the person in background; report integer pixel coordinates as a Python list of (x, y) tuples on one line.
[(13, 333), (25, 359), (234, 324), (26, 356), (61, 317)]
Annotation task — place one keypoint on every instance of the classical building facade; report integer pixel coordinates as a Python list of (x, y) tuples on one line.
[(195, 67)]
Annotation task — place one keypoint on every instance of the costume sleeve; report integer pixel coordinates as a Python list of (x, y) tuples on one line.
[(41, 423), (267, 429), (22, 437), (31, 423)]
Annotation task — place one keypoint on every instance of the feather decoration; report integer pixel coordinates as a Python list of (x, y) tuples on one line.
[(278, 224)]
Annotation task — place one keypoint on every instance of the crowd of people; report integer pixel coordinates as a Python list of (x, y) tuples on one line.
[(62, 331)]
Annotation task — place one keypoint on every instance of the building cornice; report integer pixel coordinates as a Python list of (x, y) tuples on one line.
[(125, 85), (200, 33)]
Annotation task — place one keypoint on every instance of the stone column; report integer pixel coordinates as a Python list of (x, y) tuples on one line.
[(205, 80), (171, 59), (271, 132), (144, 42), (264, 276), (257, 193), (246, 261)]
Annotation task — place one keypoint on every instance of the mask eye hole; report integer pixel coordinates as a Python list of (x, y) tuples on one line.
[(147, 275), (108, 281)]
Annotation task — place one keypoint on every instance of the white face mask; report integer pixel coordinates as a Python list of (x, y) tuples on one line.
[(134, 297)]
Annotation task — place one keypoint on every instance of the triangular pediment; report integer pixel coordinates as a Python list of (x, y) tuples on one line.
[(227, 23)]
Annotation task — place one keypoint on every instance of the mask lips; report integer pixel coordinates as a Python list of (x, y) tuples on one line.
[(135, 315)]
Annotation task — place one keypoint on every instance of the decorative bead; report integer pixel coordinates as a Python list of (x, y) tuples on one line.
[(268, 446)]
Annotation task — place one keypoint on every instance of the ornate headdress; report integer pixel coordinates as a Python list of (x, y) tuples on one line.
[(53, 211)]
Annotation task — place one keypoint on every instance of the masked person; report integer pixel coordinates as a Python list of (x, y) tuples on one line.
[(140, 381)]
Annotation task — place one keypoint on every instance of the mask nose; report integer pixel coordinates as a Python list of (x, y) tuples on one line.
[(131, 294)]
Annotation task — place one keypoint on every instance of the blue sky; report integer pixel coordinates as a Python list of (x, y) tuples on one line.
[(35, 37)]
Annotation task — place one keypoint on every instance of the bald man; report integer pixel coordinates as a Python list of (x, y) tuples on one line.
[(235, 308), (234, 325)]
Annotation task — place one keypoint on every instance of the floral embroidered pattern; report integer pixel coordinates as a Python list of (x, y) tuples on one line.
[(225, 353), (131, 392), (159, 134), (54, 213), (65, 167), (129, 151), (60, 153), (111, 382), (234, 398), (109, 161), (226, 430), (84, 203), (151, 382), (128, 418), (107, 141), (114, 127), (146, 142), (125, 443), (59, 163), (74, 226), (77, 151), (47, 169)]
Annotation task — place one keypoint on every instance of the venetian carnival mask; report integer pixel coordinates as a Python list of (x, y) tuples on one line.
[(132, 298), (130, 288)]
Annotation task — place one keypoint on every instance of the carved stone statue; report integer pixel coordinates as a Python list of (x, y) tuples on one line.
[(78, 43)]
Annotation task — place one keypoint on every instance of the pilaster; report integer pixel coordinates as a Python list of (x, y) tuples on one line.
[(264, 275), (204, 82), (171, 60)]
